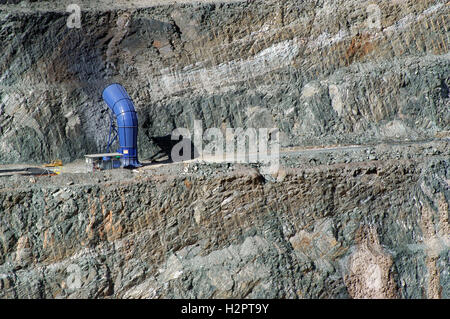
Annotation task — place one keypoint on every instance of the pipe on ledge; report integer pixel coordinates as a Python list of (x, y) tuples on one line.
[(120, 103)]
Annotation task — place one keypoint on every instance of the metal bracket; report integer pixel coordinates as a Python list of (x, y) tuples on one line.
[(112, 131)]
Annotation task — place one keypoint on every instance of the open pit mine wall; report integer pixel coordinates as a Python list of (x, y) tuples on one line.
[(362, 230), (323, 72)]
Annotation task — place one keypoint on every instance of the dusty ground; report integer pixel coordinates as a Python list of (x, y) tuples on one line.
[(293, 157)]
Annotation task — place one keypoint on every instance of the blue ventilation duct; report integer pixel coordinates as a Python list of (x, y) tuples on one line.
[(120, 103)]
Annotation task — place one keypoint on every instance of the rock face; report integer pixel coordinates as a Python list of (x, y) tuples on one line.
[(361, 229), (323, 72), (369, 222)]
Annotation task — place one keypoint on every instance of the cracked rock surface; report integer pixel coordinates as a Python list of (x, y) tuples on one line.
[(323, 72), (356, 228)]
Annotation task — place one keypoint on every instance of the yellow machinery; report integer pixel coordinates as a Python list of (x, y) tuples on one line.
[(54, 163)]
